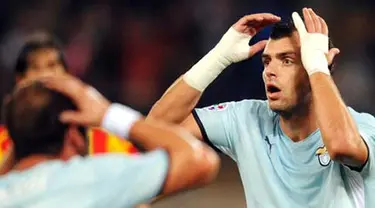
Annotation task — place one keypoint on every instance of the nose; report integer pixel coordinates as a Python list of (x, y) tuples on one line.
[(270, 71)]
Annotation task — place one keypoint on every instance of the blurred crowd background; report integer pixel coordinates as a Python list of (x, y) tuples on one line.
[(132, 50)]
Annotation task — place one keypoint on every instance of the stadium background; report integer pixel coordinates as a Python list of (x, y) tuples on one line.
[(132, 50)]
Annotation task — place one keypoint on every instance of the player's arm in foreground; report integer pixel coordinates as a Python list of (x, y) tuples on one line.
[(338, 129), (191, 163), (177, 103)]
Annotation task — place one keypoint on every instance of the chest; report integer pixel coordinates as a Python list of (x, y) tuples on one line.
[(273, 170), (301, 165)]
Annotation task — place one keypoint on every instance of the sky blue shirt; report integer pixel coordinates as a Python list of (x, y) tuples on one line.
[(277, 172), (108, 180)]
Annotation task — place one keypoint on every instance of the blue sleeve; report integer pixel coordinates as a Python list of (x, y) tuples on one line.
[(121, 180), (366, 127), (216, 125), (224, 126)]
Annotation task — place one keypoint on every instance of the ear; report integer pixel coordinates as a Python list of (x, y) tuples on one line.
[(74, 137), (75, 140)]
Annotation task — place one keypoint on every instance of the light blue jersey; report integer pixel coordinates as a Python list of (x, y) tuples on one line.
[(277, 172), (108, 180), (366, 125)]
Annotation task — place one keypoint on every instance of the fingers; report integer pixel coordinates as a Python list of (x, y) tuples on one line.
[(316, 20), (313, 23), (324, 26), (257, 47), (72, 117), (262, 17), (65, 84), (298, 23), (332, 53), (308, 20), (251, 24)]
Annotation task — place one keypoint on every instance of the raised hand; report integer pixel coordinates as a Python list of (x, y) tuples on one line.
[(234, 46), (253, 23), (313, 35)]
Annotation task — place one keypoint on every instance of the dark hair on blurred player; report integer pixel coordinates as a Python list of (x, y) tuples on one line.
[(32, 118)]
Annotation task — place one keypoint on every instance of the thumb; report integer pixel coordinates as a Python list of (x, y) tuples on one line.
[(332, 54), (73, 117), (257, 47), (298, 23)]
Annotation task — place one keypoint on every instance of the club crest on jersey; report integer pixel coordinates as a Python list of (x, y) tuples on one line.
[(218, 107), (323, 156)]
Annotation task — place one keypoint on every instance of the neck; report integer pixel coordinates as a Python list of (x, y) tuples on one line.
[(33, 160), (299, 124)]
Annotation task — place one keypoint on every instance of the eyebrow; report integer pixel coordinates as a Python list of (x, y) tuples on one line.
[(282, 54)]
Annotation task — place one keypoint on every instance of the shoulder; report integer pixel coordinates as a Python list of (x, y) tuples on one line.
[(254, 110), (247, 113), (249, 109), (254, 106), (247, 105), (117, 160), (362, 118)]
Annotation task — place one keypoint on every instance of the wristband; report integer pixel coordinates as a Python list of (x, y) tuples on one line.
[(119, 119)]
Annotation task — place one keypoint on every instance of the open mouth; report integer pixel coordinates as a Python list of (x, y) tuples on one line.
[(272, 89)]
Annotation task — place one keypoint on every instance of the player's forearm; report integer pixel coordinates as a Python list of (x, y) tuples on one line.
[(176, 103), (155, 134), (180, 99), (192, 163), (339, 132)]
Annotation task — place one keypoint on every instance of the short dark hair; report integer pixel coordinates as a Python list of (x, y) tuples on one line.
[(32, 118), (286, 29), (33, 43)]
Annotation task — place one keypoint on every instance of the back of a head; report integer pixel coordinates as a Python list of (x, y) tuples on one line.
[(286, 29), (32, 118), (34, 42)]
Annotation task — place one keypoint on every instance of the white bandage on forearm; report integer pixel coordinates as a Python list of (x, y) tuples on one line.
[(119, 119), (314, 47), (233, 47)]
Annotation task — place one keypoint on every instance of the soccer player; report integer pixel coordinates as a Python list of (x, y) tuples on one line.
[(49, 149), (41, 55), (302, 147)]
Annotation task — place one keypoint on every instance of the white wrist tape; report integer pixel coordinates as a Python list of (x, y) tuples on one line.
[(314, 47), (233, 47), (119, 119), (205, 71), (313, 50)]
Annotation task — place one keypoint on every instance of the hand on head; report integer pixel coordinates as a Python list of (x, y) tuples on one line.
[(91, 105), (313, 33), (249, 26)]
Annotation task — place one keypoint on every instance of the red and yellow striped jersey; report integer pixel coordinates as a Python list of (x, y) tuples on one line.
[(100, 141)]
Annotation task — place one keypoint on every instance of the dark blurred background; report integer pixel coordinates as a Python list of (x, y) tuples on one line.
[(132, 50)]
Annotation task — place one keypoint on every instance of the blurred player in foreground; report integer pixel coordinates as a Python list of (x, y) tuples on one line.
[(42, 55), (49, 149), (302, 147)]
